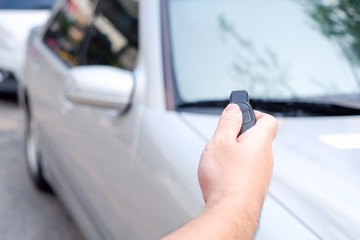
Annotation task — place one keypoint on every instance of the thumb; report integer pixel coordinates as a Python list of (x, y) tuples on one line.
[(230, 123)]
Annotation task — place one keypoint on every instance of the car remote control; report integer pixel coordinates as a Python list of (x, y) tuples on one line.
[(242, 99)]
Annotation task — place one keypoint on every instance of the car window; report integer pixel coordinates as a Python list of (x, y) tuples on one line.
[(114, 35), (26, 4), (66, 33)]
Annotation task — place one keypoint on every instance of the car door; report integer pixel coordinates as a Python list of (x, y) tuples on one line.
[(99, 141), (50, 55), (91, 146)]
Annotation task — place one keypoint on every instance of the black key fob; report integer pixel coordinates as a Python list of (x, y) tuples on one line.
[(242, 99)]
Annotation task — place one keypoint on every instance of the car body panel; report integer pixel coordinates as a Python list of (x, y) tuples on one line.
[(314, 183)]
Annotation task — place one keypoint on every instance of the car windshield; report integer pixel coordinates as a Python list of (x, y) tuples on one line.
[(26, 4), (275, 49)]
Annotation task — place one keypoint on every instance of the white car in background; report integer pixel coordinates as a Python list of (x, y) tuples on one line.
[(17, 18)]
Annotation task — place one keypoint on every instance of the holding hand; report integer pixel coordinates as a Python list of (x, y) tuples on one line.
[(234, 175)]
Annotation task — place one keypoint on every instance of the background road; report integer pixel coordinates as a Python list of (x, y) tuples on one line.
[(25, 214)]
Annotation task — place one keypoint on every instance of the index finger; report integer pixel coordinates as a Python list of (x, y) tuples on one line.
[(266, 124)]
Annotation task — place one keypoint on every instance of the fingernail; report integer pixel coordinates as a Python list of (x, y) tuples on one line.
[(232, 108)]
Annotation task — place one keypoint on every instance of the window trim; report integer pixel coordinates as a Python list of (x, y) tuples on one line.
[(172, 96)]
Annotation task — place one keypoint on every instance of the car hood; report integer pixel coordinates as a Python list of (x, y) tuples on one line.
[(316, 171)]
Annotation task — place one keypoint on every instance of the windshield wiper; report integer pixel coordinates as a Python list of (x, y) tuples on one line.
[(205, 104), (287, 107), (302, 107), (209, 107)]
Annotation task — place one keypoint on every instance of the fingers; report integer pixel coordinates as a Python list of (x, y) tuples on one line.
[(230, 123), (266, 124), (231, 120)]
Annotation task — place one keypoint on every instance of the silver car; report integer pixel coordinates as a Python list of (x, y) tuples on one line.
[(121, 96)]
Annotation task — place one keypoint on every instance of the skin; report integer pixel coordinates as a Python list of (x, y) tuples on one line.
[(234, 175)]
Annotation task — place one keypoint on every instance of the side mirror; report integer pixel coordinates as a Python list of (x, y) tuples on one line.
[(100, 86)]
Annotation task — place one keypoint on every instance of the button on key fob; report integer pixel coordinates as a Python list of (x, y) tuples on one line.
[(242, 99)]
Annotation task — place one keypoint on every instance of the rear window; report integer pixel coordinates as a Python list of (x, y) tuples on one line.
[(26, 4)]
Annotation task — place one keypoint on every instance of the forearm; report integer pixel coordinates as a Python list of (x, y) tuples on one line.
[(226, 220)]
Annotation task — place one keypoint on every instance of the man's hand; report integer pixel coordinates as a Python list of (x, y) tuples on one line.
[(231, 166), (234, 175)]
